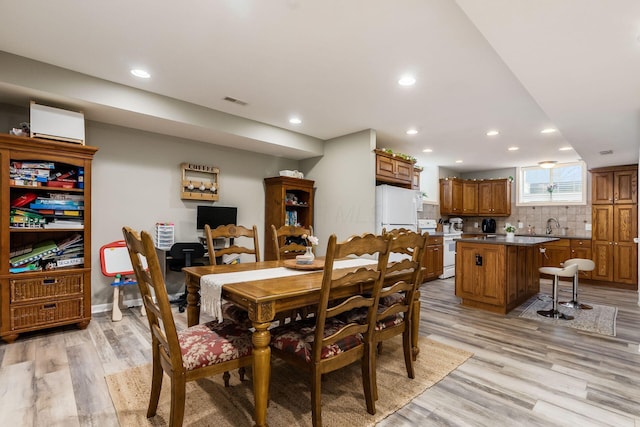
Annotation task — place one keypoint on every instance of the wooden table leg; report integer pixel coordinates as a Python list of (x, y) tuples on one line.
[(261, 371), (415, 326), (193, 299)]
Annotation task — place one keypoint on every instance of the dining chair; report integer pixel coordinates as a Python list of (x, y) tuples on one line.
[(289, 239), (234, 232), (190, 354), (397, 301), (326, 343)]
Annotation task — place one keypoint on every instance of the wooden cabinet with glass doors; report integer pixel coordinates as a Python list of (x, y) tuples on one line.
[(288, 201)]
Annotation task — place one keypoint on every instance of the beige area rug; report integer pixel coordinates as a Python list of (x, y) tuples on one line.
[(601, 319), (210, 404)]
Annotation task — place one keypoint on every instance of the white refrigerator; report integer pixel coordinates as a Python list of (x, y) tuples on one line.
[(396, 207)]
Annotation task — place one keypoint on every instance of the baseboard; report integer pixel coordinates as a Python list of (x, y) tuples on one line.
[(101, 308)]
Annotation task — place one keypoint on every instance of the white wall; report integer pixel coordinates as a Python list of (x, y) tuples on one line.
[(345, 187)]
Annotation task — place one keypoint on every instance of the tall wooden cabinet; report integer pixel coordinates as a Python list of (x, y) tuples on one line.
[(615, 224), (451, 196), (288, 201), (463, 197), (49, 290)]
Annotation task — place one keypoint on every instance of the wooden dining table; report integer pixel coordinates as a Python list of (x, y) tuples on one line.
[(264, 299)]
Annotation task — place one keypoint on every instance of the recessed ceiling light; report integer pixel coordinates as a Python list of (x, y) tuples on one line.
[(295, 121), (140, 73), (513, 148), (565, 148), (407, 81), (549, 130), (427, 150), (493, 133), (458, 161), (547, 164), (412, 132)]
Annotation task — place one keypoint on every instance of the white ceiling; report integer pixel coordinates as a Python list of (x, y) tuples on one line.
[(514, 65)]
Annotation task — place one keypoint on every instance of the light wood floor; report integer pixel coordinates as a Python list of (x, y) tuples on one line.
[(523, 372)]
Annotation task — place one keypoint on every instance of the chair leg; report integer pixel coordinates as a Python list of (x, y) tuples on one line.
[(369, 378), (554, 313), (408, 352), (241, 372), (156, 383), (574, 302), (379, 347), (178, 392), (316, 399), (226, 376)]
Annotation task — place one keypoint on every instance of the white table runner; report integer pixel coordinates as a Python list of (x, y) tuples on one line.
[(211, 284)]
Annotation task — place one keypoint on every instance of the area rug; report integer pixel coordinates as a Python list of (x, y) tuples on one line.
[(209, 403), (601, 319)]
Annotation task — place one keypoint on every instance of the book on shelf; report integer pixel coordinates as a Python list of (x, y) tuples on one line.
[(33, 165), (58, 202), (67, 262), (40, 250), (25, 212), (56, 207), (20, 250)]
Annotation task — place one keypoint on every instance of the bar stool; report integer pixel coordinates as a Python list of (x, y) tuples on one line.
[(583, 265), (557, 272)]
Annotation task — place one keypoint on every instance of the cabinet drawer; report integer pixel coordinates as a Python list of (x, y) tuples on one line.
[(45, 313), (33, 289), (434, 240), (581, 243)]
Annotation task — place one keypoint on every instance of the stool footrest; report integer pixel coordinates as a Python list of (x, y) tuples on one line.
[(554, 314), (575, 304)]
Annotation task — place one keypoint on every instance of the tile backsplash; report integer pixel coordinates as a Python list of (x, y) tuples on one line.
[(574, 218)]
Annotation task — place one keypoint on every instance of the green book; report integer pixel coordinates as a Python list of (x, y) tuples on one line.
[(40, 250)]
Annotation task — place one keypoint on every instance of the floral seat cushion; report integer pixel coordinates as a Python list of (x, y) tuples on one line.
[(390, 321), (211, 343), (297, 338)]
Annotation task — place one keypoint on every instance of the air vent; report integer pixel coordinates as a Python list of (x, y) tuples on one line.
[(605, 152), (234, 100)]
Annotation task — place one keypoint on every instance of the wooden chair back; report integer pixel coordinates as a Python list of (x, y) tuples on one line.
[(288, 239), (235, 232), (333, 300), (151, 283)]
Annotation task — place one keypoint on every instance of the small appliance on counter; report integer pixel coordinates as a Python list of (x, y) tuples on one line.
[(488, 225), (455, 225)]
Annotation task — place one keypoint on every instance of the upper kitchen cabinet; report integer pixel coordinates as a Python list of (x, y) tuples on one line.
[(451, 194), (470, 197), (394, 170), (416, 177), (494, 197), (615, 185)]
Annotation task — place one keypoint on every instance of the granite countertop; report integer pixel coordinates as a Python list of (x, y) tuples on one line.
[(556, 236), (501, 239)]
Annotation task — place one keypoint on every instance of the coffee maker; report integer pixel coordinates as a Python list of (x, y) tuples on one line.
[(488, 225)]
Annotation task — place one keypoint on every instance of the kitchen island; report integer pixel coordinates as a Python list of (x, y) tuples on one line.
[(497, 274)]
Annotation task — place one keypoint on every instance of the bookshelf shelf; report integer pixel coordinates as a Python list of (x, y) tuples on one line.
[(38, 287)]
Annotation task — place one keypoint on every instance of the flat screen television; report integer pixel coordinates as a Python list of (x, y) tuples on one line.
[(216, 216)]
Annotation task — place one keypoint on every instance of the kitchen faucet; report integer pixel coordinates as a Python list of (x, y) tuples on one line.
[(549, 221)]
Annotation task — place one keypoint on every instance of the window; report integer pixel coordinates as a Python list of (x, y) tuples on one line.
[(565, 184)]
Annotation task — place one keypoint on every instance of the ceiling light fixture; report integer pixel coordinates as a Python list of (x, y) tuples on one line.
[(549, 130), (295, 121), (427, 150), (493, 133), (140, 73), (565, 148), (458, 161), (412, 132), (407, 81), (547, 164), (513, 148)]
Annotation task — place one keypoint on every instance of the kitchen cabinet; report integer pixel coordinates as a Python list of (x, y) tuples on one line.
[(552, 254), (288, 201), (394, 170), (614, 185), (615, 224), (496, 277), (581, 248), (475, 198), (50, 287), (494, 197), (416, 177), (433, 258), (451, 193), (470, 198), (613, 249)]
